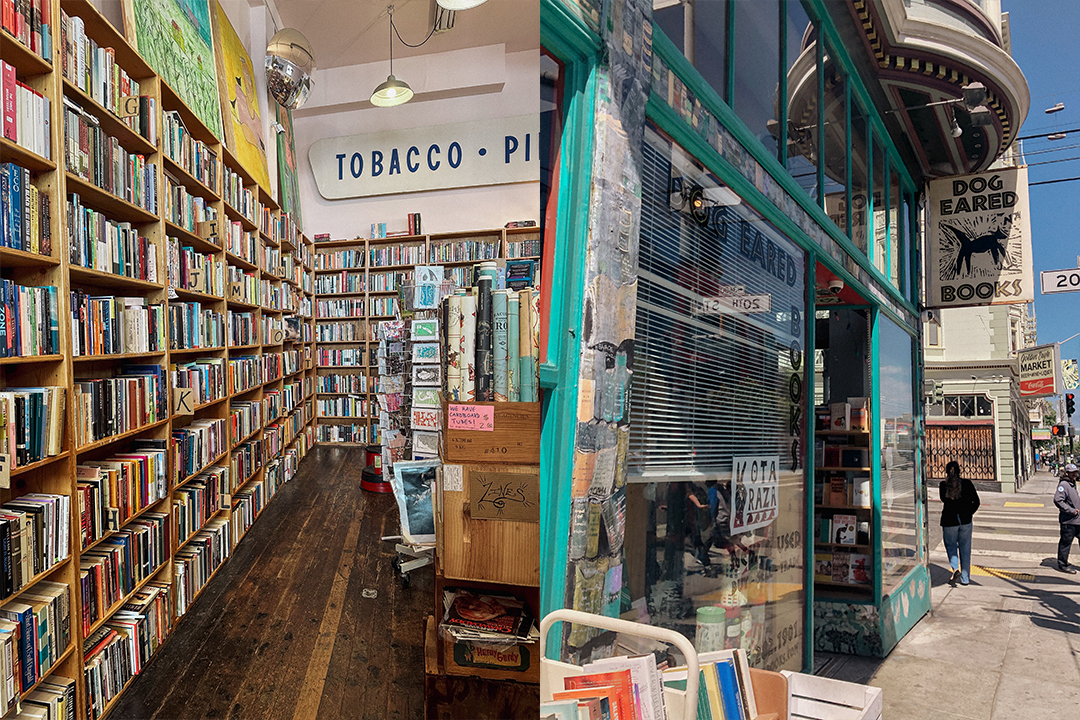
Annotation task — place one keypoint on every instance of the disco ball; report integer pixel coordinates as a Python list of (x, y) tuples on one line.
[(289, 67)]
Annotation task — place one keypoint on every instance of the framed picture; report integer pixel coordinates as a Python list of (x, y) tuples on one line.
[(425, 397), (426, 353), (426, 297), (426, 419), (413, 485), (425, 330), (427, 375), (428, 275), (425, 443)]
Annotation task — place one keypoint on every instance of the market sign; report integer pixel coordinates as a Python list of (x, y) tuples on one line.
[(755, 492), (1040, 371), (979, 240), (437, 157)]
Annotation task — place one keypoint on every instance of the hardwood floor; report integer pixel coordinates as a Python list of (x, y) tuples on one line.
[(284, 631)]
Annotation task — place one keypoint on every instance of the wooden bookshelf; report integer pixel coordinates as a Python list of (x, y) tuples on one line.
[(295, 424)]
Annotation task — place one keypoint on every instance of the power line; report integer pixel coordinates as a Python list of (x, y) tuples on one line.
[(1043, 135), (1051, 182)]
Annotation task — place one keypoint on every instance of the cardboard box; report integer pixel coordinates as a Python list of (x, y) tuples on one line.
[(860, 414), (514, 439), (495, 662)]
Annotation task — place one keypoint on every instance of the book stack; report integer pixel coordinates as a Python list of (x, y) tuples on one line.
[(107, 668), (25, 212), (241, 198), (414, 223), (271, 406), (197, 501), (340, 259), (30, 22), (53, 698), (27, 114), (111, 569), (355, 331), (31, 423), (143, 623), (191, 270), (108, 325), (242, 329), (243, 286), (349, 383), (342, 357), (241, 243), (34, 528), (193, 155), (44, 621), (113, 247), (29, 320), (197, 445), (184, 209), (244, 419), (480, 617), (246, 459), (98, 158), (245, 372), (205, 377), (197, 561), (104, 407), (192, 325), (114, 490)]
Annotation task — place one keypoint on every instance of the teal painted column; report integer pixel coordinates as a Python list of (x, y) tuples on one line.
[(604, 365)]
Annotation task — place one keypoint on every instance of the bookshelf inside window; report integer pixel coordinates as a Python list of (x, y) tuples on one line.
[(844, 554)]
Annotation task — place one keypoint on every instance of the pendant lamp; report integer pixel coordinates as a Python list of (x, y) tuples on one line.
[(393, 91), (459, 4)]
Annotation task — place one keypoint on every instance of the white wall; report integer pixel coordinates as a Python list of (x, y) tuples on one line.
[(441, 211)]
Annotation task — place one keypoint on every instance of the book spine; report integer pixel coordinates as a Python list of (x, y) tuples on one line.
[(513, 357), (500, 345), (484, 366)]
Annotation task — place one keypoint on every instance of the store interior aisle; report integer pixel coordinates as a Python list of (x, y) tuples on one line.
[(284, 630)]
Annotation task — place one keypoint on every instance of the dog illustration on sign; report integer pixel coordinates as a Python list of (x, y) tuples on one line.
[(967, 239)]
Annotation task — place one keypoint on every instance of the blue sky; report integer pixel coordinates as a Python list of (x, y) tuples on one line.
[(1045, 46)]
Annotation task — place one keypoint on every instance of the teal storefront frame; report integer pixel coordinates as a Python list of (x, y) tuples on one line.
[(578, 47)]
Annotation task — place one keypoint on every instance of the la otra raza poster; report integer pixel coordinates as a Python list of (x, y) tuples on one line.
[(979, 240)]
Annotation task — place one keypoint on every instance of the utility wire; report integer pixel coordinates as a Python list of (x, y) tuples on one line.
[(1051, 182)]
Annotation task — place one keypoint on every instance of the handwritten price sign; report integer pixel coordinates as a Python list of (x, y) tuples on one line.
[(471, 417)]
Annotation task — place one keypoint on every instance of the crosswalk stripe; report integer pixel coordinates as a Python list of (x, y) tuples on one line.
[(1024, 557), (1010, 503)]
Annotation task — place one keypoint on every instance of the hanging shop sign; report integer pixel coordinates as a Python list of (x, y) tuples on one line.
[(1040, 371), (980, 240), (437, 157)]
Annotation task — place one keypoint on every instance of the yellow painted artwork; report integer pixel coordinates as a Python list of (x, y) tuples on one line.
[(239, 102)]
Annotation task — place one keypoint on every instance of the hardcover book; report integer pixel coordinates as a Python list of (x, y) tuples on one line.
[(502, 614)]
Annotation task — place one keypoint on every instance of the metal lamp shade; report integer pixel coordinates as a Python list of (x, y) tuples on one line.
[(392, 92)]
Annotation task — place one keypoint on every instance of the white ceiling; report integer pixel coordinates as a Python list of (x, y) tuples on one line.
[(353, 32)]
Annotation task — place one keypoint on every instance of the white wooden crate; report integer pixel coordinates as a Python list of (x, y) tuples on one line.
[(818, 698)]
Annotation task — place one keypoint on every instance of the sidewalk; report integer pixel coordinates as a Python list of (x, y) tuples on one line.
[(1006, 646)]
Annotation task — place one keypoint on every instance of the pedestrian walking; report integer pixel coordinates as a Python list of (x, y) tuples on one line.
[(959, 501), (1068, 503)]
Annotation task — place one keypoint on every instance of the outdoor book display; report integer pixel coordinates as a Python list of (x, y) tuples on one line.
[(707, 686), (151, 402), (843, 501)]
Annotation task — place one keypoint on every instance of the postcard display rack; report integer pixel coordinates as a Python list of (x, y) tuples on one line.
[(412, 311), (149, 436), (358, 284)]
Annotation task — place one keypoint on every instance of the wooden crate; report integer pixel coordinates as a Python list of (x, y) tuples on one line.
[(496, 551), (818, 698), (514, 440)]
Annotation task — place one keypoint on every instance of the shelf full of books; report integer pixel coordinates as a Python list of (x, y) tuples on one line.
[(122, 358), (360, 282), (843, 501)]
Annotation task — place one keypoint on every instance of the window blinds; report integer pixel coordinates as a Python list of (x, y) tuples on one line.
[(714, 374)]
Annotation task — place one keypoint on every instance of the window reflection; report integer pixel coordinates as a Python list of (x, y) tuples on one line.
[(896, 237), (880, 249), (860, 165), (802, 106), (757, 63), (835, 145)]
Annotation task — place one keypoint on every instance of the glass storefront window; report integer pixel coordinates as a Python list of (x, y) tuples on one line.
[(835, 144), (801, 68), (900, 549), (708, 46), (716, 477), (859, 182), (896, 235), (880, 248), (911, 246), (757, 66)]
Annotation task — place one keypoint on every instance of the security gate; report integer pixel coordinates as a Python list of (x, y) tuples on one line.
[(970, 445)]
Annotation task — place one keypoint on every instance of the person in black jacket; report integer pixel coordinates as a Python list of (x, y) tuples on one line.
[(1068, 504), (959, 501)]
